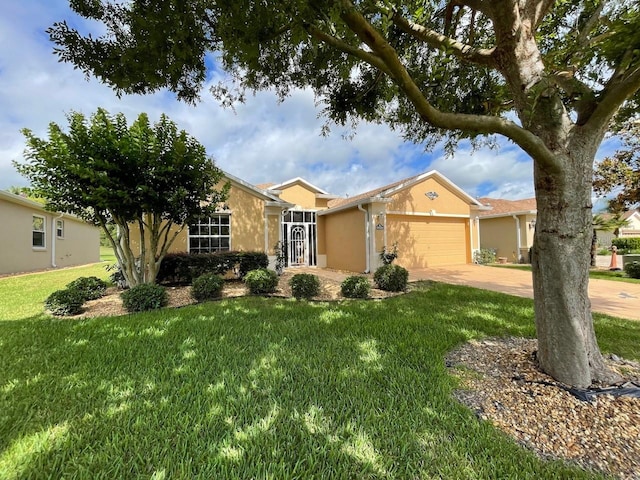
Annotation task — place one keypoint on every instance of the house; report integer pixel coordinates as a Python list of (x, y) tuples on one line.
[(508, 227), (429, 218), (631, 229), (33, 238)]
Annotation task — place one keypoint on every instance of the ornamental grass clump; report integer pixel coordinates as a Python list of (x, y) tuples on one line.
[(91, 288), (304, 285), (207, 287), (261, 280), (146, 296), (65, 302), (391, 278), (355, 286)]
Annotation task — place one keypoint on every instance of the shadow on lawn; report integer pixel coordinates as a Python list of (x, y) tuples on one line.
[(256, 388)]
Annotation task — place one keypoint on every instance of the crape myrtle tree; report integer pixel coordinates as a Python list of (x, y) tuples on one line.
[(551, 76), (153, 179)]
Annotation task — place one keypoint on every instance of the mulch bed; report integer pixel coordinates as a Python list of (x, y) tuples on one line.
[(501, 382)]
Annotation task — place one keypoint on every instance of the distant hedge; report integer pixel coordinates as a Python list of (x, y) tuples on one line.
[(183, 268), (627, 244)]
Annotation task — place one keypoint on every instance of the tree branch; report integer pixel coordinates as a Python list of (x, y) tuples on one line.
[(536, 10), (480, 56), (363, 55), (617, 90), (450, 121)]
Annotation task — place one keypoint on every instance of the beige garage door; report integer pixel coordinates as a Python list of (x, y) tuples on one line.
[(428, 241)]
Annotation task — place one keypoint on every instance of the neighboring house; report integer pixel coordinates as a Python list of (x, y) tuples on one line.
[(430, 218), (631, 229), (33, 238), (508, 227)]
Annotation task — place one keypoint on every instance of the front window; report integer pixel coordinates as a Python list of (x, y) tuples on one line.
[(60, 228), (38, 232), (211, 234)]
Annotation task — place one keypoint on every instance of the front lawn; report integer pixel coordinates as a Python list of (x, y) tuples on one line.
[(264, 388)]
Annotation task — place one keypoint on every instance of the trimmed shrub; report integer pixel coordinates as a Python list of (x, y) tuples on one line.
[(392, 278), (261, 280), (90, 287), (355, 286), (487, 255), (304, 285), (626, 245), (146, 296), (632, 269), (183, 268), (207, 286), (65, 302)]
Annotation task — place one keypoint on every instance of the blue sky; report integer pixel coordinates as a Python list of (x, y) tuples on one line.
[(262, 141)]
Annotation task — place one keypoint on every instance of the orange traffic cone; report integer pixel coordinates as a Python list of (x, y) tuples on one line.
[(614, 259)]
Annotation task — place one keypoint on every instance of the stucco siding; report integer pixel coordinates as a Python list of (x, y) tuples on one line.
[(345, 240), (499, 234), (247, 221), (429, 241), (414, 200), (300, 196), (79, 245)]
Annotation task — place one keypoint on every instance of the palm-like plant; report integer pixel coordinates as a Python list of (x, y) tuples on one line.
[(604, 224)]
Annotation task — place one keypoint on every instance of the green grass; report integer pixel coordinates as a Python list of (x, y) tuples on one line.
[(107, 255), (616, 276), (22, 296), (264, 388)]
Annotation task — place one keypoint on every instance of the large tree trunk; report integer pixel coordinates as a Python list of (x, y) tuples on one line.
[(567, 347)]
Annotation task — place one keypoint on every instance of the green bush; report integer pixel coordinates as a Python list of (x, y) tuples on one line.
[(146, 296), (90, 287), (632, 269), (183, 268), (392, 278), (355, 286), (261, 280), (65, 302), (626, 245), (207, 286), (304, 285), (485, 256)]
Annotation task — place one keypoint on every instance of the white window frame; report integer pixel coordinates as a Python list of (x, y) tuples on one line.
[(43, 231), (211, 225), (59, 228)]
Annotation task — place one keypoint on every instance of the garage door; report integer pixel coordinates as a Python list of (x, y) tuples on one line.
[(428, 241)]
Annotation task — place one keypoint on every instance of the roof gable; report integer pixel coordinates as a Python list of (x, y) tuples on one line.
[(298, 180), (387, 191)]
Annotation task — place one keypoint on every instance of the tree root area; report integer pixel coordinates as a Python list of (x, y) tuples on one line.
[(501, 382)]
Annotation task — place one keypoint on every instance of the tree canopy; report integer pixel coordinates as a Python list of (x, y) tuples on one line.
[(155, 179), (553, 76), (620, 174)]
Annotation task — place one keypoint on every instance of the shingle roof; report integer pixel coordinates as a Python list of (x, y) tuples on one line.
[(338, 202), (624, 216), (501, 207)]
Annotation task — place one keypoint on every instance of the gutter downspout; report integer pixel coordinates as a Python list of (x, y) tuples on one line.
[(367, 237), (517, 237), (478, 230), (53, 239)]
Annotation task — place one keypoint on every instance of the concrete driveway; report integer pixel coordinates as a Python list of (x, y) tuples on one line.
[(619, 299)]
